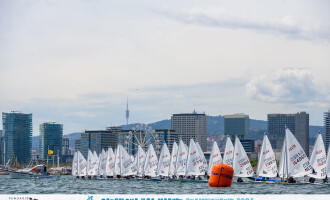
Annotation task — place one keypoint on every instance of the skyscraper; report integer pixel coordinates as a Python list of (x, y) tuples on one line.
[(297, 123), (237, 124), (191, 125), (16, 136), (327, 128), (96, 140), (51, 135)]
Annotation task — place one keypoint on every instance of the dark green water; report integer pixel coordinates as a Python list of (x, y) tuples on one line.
[(69, 185)]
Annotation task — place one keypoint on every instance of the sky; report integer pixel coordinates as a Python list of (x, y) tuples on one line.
[(76, 62)]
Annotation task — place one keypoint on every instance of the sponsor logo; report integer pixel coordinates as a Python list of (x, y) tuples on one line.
[(292, 147)]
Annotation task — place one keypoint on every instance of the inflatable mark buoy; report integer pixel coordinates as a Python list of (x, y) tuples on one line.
[(221, 175)]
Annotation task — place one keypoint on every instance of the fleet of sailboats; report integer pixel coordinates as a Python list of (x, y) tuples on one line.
[(189, 163)]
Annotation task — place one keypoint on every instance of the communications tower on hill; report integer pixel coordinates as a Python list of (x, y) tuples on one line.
[(127, 112)]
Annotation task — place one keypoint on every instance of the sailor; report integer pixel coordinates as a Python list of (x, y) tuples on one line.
[(240, 180), (291, 180), (311, 180)]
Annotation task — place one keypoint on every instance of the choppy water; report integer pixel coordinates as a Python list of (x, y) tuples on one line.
[(69, 185)]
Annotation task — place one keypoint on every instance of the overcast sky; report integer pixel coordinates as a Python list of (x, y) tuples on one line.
[(76, 62)]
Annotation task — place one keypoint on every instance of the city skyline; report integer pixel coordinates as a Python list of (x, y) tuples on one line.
[(77, 62)]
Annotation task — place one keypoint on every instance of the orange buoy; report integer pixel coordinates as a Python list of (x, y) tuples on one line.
[(221, 175)]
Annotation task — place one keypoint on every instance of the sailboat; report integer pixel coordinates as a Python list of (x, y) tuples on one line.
[(96, 163), (164, 162), (241, 163), (195, 165), (102, 164), (173, 160), (82, 165), (267, 162), (126, 163), (295, 163), (215, 157), (181, 162), (141, 158), (229, 153), (283, 169), (150, 166), (75, 164), (202, 156), (318, 159), (110, 164), (91, 164), (117, 171)]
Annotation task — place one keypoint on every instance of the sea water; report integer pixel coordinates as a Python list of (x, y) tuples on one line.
[(70, 185)]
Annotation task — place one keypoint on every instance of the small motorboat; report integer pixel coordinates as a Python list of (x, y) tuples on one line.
[(37, 172)]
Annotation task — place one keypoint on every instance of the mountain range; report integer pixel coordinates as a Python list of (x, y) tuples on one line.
[(215, 127)]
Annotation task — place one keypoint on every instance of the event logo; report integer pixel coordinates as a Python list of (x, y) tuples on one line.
[(90, 198)]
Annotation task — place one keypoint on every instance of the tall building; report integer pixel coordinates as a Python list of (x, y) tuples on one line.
[(237, 124), (51, 135), (327, 129), (191, 125), (96, 140), (65, 146), (297, 123), (16, 137)]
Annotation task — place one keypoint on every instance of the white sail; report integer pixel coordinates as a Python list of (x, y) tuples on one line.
[(328, 162), (173, 159), (150, 166), (202, 156), (297, 160), (141, 160), (215, 157), (126, 163), (118, 160), (96, 163), (75, 164), (164, 161), (228, 155), (90, 164), (134, 166), (103, 162), (82, 165), (267, 162), (181, 162), (110, 165), (241, 163), (318, 159), (195, 164), (283, 168)]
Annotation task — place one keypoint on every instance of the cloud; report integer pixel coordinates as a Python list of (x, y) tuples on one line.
[(288, 86), (291, 25)]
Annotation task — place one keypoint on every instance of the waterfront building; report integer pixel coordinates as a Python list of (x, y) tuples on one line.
[(248, 145), (77, 145), (66, 146), (51, 135), (297, 123), (96, 140), (16, 137), (237, 124), (191, 125), (327, 128)]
